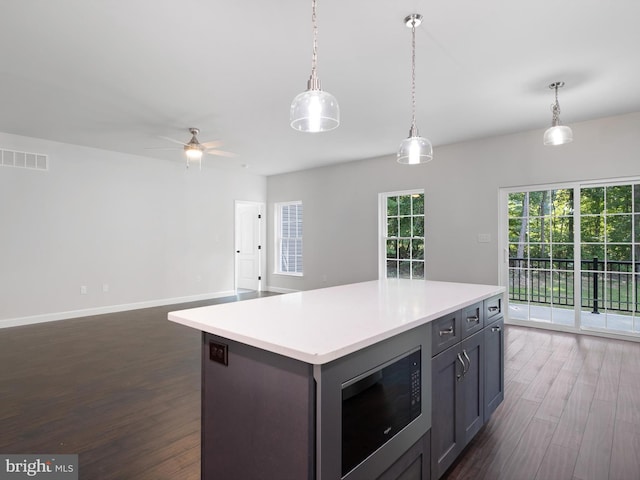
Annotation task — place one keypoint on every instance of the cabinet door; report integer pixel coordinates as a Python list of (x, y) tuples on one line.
[(472, 383), (446, 406), (494, 367), (414, 464)]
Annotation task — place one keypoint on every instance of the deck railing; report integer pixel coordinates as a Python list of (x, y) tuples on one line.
[(606, 285)]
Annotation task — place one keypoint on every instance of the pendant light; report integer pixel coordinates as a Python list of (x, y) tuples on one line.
[(557, 134), (314, 110), (414, 149)]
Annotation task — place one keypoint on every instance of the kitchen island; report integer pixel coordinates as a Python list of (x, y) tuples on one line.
[(279, 373)]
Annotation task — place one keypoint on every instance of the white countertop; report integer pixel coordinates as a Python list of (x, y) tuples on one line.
[(318, 326)]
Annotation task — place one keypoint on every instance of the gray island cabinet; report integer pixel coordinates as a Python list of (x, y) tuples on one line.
[(383, 380), (467, 377)]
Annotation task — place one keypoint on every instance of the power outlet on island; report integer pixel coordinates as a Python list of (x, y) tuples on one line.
[(219, 352)]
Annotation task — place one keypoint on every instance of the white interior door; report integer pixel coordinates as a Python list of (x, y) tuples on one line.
[(249, 234)]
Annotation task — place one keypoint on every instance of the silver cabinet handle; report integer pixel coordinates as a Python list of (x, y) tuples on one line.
[(460, 375), (448, 331), (468, 360), (493, 309), (495, 329), (474, 319)]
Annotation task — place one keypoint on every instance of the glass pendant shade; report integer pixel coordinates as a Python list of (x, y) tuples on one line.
[(414, 150), (314, 111), (558, 135)]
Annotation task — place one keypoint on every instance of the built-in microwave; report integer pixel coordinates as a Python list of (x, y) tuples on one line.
[(377, 405)]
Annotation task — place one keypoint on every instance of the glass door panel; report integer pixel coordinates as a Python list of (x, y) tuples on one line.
[(541, 261), (609, 261)]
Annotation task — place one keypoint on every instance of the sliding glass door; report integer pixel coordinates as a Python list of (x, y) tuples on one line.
[(572, 255), (609, 244)]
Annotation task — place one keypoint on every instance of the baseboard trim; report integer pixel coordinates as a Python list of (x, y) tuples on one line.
[(280, 290), (52, 317)]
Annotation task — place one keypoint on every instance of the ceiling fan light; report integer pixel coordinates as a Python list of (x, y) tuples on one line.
[(415, 150), (314, 111), (193, 153), (558, 135)]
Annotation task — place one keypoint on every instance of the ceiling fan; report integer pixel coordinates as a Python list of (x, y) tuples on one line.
[(194, 150)]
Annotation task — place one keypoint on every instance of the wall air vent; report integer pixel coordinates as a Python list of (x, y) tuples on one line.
[(32, 161)]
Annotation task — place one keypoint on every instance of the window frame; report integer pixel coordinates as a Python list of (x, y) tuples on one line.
[(278, 243), (382, 230)]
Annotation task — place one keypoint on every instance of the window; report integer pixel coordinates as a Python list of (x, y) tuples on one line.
[(289, 238), (402, 239), (574, 255)]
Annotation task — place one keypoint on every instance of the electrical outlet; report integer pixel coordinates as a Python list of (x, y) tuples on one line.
[(83, 290), (219, 352), (105, 287)]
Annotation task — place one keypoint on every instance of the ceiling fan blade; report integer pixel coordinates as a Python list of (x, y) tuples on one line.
[(173, 140), (220, 153), (162, 148), (213, 144)]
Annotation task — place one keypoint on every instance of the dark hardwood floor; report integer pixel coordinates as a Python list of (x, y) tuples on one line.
[(123, 391)]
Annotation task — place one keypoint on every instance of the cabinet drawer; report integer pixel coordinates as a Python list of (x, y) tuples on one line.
[(472, 319), (445, 331), (492, 307)]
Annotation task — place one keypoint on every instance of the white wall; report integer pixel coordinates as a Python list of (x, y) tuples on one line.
[(461, 196), (157, 233), (150, 229)]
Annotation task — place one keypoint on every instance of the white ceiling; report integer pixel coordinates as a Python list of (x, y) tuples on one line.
[(118, 74)]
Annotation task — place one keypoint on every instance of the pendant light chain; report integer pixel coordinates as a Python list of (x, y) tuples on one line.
[(414, 132), (314, 57), (555, 108)]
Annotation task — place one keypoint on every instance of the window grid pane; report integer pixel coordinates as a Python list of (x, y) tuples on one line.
[(404, 236)]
